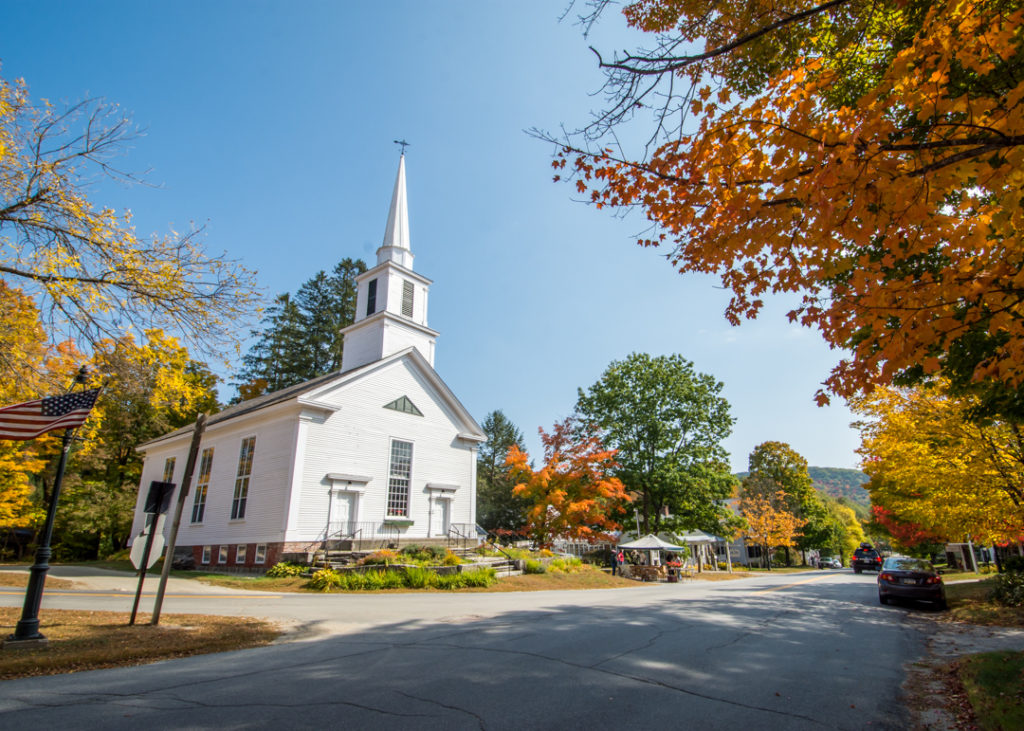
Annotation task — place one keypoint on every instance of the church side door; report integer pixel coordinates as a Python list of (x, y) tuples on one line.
[(439, 518), (343, 513)]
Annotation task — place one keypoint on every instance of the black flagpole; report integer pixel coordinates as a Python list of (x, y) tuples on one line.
[(27, 629), (28, 626)]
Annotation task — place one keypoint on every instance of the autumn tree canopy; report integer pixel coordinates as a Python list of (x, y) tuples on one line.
[(769, 524), (776, 469), (89, 273), (932, 465), (866, 156), (667, 423), (573, 495)]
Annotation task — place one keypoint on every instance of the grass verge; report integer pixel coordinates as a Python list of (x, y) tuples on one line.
[(994, 683), (20, 578), (80, 640), (970, 603)]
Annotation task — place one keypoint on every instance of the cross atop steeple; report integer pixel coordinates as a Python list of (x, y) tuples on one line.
[(403, 143)]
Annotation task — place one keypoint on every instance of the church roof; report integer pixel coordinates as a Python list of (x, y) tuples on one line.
[(327, 382)]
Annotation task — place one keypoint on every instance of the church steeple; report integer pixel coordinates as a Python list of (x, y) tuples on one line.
[(396, 234), (391, 300)]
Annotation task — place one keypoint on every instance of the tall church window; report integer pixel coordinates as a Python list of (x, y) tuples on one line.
[(371, 297), (407, 291), (241, 495), (399, 477), (199, 502)]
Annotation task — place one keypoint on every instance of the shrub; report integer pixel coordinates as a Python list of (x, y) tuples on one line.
[(481, 577), (1014, 564), (545, 553), (283, 569), (532, 566), (449, 581), (417, 577), (450, 559), (1009, 589), (568, 565), (383, 557), (325, 580)]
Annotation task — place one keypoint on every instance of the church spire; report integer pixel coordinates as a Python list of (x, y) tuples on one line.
[(396, 234)]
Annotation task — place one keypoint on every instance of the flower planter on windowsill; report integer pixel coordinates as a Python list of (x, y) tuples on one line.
[(399, 522)]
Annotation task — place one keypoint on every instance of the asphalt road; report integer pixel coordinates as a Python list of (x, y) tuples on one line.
[(794, 651)]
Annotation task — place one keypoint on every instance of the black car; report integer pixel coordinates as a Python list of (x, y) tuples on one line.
[(865, 558), (910, 578)]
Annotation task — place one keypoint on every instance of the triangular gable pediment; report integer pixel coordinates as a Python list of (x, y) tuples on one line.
[(328, 392)]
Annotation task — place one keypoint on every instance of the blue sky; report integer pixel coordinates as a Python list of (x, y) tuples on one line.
[(271, 123)]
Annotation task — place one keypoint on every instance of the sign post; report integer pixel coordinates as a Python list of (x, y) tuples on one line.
[(186, 482), (158, 499)]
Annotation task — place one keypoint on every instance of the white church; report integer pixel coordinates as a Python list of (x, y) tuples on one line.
[(378, 453)]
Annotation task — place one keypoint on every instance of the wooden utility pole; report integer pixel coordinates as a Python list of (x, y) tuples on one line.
[(186, 482)]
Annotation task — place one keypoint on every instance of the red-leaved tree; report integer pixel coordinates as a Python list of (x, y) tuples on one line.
[(572, 495)]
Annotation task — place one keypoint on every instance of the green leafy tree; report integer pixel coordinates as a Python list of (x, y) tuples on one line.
[(666, 423), (498, 507), (775, 467), (300, 337)]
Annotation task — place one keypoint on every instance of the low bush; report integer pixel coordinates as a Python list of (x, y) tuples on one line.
[(450, 559), (417, 577), (284, 569), (480, 577), (384, 557), (425, 554), (532, 566), (1009, 589), (567, 565), (325, 580), (1014, 564)]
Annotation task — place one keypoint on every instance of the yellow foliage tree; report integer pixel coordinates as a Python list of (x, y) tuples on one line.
[(865, 155), (89, 273), (23, 351), (150, 388), (932, 464), (769, 525)]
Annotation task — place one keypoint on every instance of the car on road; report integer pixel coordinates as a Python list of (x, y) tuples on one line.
[(829, 563), (910, 578), (866, 558)]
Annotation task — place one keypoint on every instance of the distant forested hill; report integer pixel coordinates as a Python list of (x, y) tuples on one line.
[(837, 482), (840, 482)]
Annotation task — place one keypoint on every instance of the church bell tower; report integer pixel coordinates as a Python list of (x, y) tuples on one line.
[(391, 303)]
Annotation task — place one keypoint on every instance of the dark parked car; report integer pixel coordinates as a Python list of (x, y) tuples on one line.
[(910, 578), (865, 558)]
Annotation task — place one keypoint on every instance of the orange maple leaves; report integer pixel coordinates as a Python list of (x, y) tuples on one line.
[(897, 216), (572, 494)]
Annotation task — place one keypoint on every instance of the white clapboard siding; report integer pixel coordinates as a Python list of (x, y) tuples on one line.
[(356, 440), (266, 505), (336, 426)]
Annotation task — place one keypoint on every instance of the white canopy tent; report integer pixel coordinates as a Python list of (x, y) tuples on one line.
[(703, 541)]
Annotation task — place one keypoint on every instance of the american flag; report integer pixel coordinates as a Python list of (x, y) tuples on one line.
[(32, 418)]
